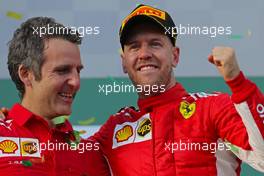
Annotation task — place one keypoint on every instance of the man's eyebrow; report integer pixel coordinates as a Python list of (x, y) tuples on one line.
[(62, 66), (156, 39), (68, 66), (129, 42)]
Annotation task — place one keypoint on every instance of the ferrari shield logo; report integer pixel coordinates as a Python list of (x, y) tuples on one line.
[(187, 109)]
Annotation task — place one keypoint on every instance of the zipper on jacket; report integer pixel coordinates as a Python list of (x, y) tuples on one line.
[(152, 117)]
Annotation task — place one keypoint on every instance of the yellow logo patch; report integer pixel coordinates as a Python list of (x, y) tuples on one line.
[(144, 127), (29, 147), (124, 133), (8, 146), (187, 109)]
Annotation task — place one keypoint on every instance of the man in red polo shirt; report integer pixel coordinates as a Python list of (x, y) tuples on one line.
[(44, 63)]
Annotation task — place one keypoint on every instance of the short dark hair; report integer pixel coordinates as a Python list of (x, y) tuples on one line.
[(26, 48)]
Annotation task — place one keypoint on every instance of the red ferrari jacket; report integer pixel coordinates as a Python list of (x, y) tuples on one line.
[(183, 134), (29, 146)]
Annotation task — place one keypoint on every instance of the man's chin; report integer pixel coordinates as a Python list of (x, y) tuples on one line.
[(148, 83), (64, 111)]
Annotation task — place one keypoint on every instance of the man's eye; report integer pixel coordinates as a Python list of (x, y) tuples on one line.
[(133, 46), (156, 44), (62, 71)]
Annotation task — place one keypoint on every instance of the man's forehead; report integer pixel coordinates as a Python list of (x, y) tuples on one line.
[(58, 55), (54, 43), (149, 32), (60, 46), (143, 29), (148, 36)]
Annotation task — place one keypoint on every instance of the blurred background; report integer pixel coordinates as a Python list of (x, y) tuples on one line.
[(101, 49)]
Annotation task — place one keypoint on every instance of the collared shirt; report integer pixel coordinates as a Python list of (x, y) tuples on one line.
[(29, 145)]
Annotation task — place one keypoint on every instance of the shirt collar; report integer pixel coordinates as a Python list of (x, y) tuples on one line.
[(174, 93), (21, 116)]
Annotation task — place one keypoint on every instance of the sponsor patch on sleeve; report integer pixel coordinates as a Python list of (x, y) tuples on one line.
[(9, 146), (132, 132), (30, 147), (15, 146)]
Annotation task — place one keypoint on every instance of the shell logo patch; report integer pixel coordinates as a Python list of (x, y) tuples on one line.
[(124, 133), (187, 109), (8, 146)]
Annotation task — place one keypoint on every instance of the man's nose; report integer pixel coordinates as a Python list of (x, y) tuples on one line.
[(144, 52), (74, 80)]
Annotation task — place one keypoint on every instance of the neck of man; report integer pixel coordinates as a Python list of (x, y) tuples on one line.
[(162, 88)]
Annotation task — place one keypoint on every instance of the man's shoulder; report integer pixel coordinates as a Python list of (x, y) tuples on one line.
[(205, 96), (125, 114), (206, 100), (6, 126), (124, 124)]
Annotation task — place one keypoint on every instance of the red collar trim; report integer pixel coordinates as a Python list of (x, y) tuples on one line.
[(21, 116), (174, 93)]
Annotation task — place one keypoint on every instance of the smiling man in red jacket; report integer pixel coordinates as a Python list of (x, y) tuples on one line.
[(46, 71), (175, 132)]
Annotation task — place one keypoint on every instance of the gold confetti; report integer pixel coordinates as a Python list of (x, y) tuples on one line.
[(82, 132), (14, 15), (88, 121)]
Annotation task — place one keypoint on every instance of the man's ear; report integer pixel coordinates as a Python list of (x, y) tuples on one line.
[(176, 54), (123, 61), (25, 75)]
